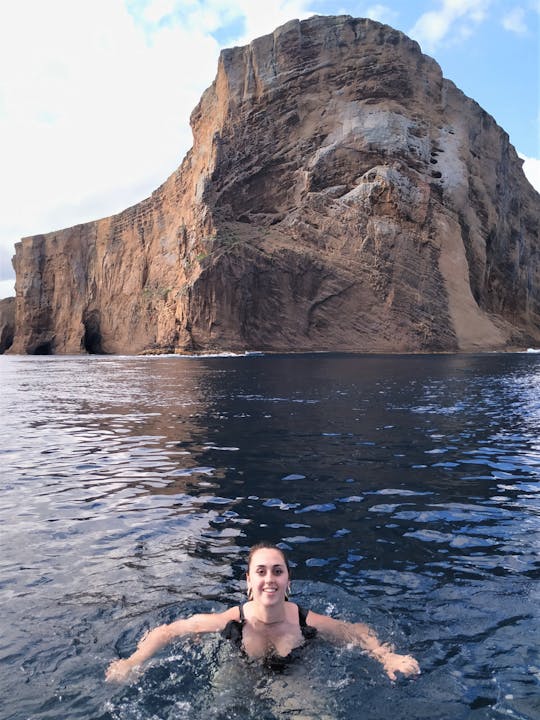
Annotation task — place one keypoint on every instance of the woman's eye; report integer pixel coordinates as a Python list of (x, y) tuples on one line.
[(278, 571)]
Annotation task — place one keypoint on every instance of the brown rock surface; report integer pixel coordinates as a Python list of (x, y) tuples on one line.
[(340, 195), (7, 323)]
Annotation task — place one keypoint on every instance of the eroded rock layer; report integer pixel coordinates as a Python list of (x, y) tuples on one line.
[(340, 195)]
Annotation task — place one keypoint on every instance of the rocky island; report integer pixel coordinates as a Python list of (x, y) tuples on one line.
[(340, 194)]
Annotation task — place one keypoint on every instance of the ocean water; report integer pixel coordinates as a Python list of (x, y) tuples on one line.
[(406, 489)]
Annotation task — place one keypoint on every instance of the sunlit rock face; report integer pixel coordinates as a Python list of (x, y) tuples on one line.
[(340, 195)]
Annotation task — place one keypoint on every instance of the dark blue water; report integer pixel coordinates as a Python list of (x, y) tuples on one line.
[(406, 488)]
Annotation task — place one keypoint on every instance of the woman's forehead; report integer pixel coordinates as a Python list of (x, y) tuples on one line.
[(267, 556)]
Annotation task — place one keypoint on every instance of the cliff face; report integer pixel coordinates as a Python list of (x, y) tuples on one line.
[(339, 195), (7, 323)]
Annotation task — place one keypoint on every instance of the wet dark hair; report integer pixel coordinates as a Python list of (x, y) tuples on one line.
[(268, 546)]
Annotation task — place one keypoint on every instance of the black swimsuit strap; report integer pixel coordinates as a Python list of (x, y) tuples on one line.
[(242, 616)]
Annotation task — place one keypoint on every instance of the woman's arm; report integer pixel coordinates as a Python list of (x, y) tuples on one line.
[(365, 637), (156, 639)]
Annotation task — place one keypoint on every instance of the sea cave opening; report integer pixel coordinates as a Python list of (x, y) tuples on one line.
[(92, 340), (45, 348), (6, 340)]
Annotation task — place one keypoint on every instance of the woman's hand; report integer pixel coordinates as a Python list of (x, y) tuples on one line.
[(121, 671), (362, 635), (394, 663)]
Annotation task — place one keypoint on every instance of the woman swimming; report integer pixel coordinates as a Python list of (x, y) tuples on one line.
[(267, 627)]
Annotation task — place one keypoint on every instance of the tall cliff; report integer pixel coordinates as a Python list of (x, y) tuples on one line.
[(340, 195)]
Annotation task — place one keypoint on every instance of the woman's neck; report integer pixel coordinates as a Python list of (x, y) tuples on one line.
[(269, 615)]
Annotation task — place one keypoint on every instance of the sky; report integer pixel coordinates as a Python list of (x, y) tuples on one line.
[(95, 95)]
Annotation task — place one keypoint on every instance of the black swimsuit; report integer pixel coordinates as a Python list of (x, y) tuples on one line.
[(234, 628)]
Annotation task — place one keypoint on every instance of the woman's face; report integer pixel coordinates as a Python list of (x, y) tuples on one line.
[(268, 576)]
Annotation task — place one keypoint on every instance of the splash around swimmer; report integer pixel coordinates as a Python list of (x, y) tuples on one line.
[(268, 626)]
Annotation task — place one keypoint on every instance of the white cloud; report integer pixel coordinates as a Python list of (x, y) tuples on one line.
[(93, 112), (209, 15), (6, 269), (531, 168), (453, 16), (157, 10), (262, 18), (381, 13), (515, 21), (7, 288)]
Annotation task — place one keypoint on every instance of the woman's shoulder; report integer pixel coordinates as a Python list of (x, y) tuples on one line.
[(233, 614)]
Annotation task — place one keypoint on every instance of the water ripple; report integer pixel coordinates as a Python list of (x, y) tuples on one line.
[(132, 488)]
